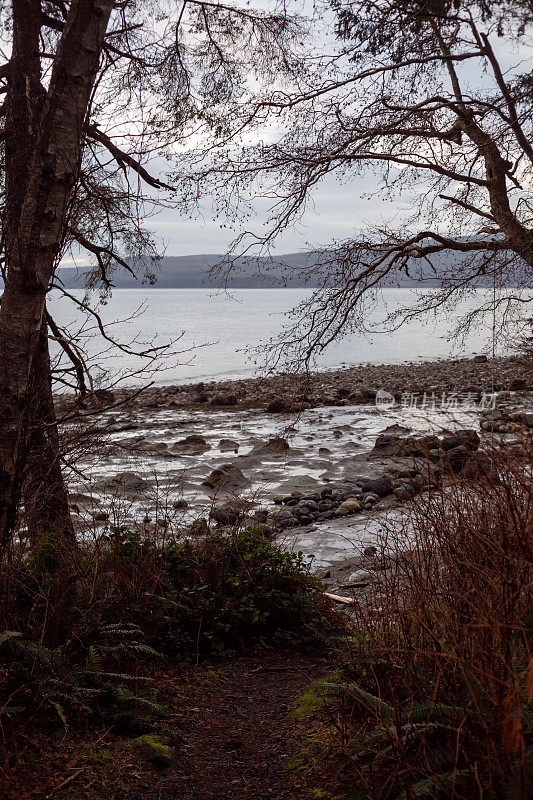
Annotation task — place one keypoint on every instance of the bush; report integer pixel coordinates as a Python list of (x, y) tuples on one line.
[(79, 621), (436, 697)]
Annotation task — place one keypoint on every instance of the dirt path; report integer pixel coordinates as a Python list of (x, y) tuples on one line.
[(229, 730), (237, 731)]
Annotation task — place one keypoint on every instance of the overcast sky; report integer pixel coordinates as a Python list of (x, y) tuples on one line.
[(336, 209)]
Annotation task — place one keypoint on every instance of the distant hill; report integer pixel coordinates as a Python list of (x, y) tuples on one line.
[(293, 270)]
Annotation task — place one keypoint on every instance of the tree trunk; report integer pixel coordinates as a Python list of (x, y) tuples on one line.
[(33, 245), (45, 495)]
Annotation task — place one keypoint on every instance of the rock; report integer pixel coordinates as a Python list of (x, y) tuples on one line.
[(466, 437), (151, 446), (192, 445), (280, 405), (357, 397), (477, 465), (199, 527), (228, 476), (299, 484), (282, 518), (349, 506), (228, 444), (360, 576), (127, 484), (154, 751), (392, 445), (224, 399), (230, 513), (277, 446), (324, 451), (396, 430), (101, 397), (381, 487), (457, 457), (405, 492), (481, 359)]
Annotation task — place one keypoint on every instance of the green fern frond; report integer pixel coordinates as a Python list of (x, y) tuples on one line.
[(435, 785), (6, 636), (420, 712), (93, 660), (367, 700), (60, 712)]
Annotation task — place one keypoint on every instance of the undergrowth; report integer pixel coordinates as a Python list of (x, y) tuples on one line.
[(79, 624), (435, 698)]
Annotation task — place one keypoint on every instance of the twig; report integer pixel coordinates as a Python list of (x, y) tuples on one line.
[(65, 782)]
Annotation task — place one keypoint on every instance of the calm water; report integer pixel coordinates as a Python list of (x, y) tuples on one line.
[(216, 329)]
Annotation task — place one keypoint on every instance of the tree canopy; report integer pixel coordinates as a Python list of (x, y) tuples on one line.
[(433, 99)]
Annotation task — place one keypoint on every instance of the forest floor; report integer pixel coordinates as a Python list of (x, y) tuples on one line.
[(231, 735)]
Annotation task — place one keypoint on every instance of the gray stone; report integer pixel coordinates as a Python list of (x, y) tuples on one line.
[(192, 445), (277, 446), (404, 492), (380, 487), (228, 444), (360, 576), (124, 484), (302, 484), (228, 476), (230, 513)]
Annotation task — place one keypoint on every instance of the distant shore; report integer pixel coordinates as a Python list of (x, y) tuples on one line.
[(354, 385)]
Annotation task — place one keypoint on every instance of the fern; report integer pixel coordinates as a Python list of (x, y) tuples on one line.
[(93, 660), (60, 712), (435, 785), (367, 700), (6, 636), (419, 712)]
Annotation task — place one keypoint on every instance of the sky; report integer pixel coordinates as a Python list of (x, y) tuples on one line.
[(336, 209)]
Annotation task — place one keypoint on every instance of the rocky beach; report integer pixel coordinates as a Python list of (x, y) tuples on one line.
[(352, 385), (312, 460)]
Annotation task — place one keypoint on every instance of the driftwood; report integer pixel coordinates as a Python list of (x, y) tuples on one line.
[(349, 601)]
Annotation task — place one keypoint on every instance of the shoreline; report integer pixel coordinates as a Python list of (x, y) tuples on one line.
[(352, 385)]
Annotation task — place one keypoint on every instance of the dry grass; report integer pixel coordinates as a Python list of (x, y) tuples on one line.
[(438, 695)]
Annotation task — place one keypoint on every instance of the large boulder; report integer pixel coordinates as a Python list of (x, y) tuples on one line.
[(277, 446), (230, 513), (349, 506), (226, 477), (226, 445), (388, 444), (124, 484), (280, 405), (191, 445), (379, 486), (299, 485), (465, 437)]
